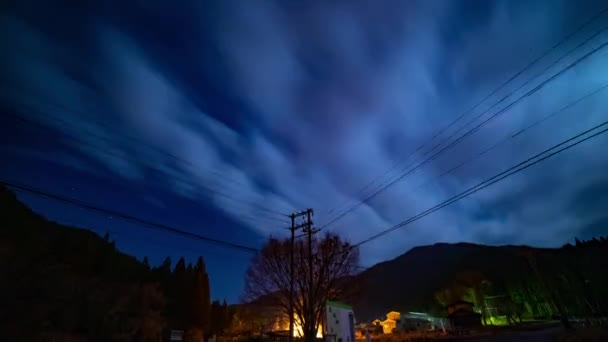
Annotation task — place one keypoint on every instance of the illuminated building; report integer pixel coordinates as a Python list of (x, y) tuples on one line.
[(338, 323)]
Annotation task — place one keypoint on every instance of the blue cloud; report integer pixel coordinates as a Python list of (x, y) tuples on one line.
[(302, 104)]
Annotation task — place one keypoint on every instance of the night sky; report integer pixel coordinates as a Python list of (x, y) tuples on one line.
[(202, 115)]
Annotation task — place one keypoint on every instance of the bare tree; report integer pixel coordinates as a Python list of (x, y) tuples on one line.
[(334, 263)]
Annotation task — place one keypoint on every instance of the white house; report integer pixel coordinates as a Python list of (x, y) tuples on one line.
[(339, 322)]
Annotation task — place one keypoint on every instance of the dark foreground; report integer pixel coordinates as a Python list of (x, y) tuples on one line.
[(549, 334)]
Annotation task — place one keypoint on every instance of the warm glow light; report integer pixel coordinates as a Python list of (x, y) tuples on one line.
[(298, 331)]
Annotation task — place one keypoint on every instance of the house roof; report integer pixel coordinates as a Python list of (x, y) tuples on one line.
[(339, 305)]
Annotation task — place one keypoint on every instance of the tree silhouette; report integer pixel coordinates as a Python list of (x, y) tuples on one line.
[(200, 300), (180, 267), (268, 277), (165, 267), (85, 289)]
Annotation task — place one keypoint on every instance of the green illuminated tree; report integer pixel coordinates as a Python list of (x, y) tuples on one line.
[(476, 284)]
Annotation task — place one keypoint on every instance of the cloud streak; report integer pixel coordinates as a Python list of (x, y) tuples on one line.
[(301, 105)]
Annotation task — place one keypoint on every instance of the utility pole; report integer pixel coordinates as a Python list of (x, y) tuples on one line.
[(293, 237), (309, 230), (293, 229)]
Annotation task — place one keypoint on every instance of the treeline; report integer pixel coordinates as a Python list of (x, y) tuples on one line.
[(569, 282), (60, 283), (574, 279), (189, 307)]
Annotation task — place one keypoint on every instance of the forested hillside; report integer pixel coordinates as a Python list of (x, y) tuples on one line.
[(60, 281), (508, 281)]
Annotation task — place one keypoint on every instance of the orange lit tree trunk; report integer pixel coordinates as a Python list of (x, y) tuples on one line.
[(268, 281)]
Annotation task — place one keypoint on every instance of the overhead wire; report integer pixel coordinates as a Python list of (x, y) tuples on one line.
[(488, 96), (480, 125), (134, 219), (529, 162), (457, 140), (270, 214), (515, 134), (140, 142)]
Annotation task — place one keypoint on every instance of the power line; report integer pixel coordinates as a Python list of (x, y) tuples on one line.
[(458, 140), (496, 178), (142, 143), (492, 93), (471, 131), (534, 90), (182, 180), (134, 219), (516, 134)]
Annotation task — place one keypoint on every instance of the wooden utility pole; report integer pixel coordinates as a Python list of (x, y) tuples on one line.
[(293, 229), (309, 230)]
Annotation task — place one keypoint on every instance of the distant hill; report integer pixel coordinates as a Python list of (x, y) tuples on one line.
[(27, 235), (410, 281), (60, 282)]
